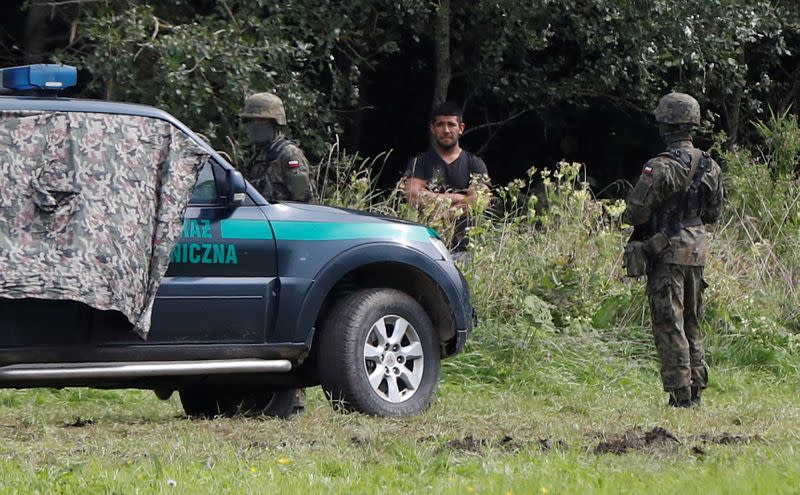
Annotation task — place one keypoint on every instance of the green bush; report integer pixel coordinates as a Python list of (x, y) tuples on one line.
[(753, 304)]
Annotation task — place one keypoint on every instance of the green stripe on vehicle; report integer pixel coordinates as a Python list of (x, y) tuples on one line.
[(245, 229), (334, 231)]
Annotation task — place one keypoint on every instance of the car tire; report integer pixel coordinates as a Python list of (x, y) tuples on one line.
[(279, 403), (379, 354), (282, 403), (199, 404)]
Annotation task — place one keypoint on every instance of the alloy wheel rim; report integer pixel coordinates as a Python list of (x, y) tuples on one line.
[(393, 359)]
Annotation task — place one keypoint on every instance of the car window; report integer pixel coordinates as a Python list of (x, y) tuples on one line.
[(205, 189)]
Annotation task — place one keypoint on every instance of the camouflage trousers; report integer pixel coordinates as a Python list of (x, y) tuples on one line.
[(676, 306)]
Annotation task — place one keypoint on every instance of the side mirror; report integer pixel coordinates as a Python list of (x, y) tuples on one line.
[(235, 188)]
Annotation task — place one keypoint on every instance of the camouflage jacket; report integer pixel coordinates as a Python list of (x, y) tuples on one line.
[(657, 198), (281, 172), (91, 206)]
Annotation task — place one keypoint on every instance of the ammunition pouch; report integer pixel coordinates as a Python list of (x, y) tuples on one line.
[(640, 256), (635, 259), (656, 245)]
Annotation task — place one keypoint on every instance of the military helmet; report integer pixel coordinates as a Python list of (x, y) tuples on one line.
[(264, 106), (677, 108)]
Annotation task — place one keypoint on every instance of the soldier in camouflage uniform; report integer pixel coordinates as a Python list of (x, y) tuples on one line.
[(279, 167), (678, 193)]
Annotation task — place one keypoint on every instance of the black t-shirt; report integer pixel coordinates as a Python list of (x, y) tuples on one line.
[(442, 177)]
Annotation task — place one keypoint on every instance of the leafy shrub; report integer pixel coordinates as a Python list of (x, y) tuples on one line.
[(754, 306)]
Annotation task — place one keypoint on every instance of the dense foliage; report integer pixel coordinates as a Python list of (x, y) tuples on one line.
[(199, 59)]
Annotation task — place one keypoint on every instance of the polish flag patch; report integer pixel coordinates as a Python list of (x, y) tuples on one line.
[(294, 164), (647, 170)]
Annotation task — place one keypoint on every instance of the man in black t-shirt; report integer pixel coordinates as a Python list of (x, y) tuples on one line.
[(447, 173)]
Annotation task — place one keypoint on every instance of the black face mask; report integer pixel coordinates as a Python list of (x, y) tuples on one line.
[(672, 133), (261, 133)]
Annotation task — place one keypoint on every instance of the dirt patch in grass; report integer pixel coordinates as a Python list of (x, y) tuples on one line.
[(656, 439), (468, 444), (477, 445), (661, 439), (547, 444), (726, 439), (78, 422)]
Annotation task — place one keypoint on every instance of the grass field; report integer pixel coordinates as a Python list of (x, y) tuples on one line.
[(555, 415)]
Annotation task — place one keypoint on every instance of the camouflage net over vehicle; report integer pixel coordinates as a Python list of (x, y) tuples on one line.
[(91, 206)]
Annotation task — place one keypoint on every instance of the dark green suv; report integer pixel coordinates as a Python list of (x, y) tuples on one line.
[(259, 301)]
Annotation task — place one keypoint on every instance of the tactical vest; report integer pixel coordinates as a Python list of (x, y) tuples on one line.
[(262, 161), (266, 157), (684, 208)]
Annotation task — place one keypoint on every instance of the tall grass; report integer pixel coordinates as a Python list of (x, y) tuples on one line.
[(553, 270)]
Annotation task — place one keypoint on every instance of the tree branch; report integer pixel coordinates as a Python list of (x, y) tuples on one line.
[(497, 123), (486, 143), (65, 2)]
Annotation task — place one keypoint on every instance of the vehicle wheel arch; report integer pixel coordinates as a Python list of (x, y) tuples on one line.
[(383, 265), (403, 277)]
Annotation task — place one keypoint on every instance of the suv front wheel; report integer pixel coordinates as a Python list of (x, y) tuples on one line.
[(379, 354)]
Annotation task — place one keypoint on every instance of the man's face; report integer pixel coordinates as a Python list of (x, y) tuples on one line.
[(446, 130)]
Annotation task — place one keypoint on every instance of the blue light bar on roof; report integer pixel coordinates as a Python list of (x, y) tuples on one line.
[(42, 77)]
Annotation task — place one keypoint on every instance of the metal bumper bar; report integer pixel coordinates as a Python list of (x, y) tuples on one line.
[(71, 371)]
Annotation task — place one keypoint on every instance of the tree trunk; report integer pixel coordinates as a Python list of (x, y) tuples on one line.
[(35, 32), (441, 38), (731, 108), (733, 111)]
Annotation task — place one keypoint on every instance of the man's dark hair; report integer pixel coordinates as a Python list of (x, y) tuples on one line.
[(447, 109)]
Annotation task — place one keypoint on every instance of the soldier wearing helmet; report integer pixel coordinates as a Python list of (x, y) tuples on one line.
[(677, 194), (280, 168)]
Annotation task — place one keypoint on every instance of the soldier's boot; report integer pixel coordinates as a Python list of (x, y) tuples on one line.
[(680, 397), (696, 393)]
